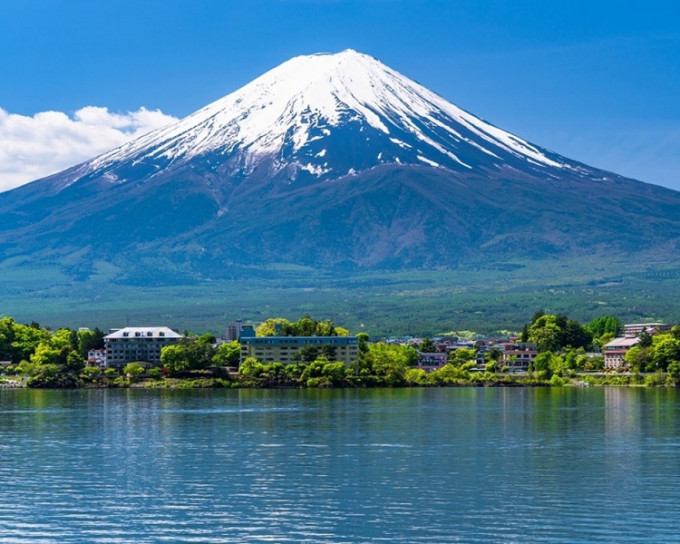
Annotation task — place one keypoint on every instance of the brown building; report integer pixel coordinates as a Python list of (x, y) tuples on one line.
[(615, 351)]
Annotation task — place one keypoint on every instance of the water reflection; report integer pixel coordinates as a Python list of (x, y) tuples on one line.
[(412, 465)]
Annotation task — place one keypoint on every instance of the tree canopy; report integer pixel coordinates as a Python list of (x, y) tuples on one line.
[(305, 326), (553, 332)]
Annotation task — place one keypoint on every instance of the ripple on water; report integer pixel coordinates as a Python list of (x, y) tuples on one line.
[(420, 466)]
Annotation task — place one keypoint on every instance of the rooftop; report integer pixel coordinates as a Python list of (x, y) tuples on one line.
[(146, 332)]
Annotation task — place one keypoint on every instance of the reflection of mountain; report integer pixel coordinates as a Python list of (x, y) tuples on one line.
[(336, 162)]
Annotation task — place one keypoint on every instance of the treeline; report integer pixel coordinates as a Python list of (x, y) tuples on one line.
[(47, 358), (554, 332), (305, 326)]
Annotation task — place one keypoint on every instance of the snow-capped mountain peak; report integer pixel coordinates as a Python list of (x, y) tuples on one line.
[(328, 114)]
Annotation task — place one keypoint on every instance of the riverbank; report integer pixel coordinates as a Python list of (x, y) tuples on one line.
[(417, 380)]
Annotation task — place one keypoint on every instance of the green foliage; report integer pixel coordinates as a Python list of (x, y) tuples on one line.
[(88, 340), (655, 355), (673, 378), (543, 364), (18, 342), (133, 371), (638, 358), (90, 372), (645, 339), (462, 356), (188, 354), (449, 374), (305, 326), (250, 367), (174, 359), (592, 364), (494, 354), (323, 373), (655, 380), (362, 339), (415, 376), (389, 362), (227, 354), (427, 346), (606, 324), (306, 354), (546, 333), (556, 380), (554, 332), (666, 349)]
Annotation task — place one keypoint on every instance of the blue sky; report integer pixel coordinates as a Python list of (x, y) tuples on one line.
[(596, 81)]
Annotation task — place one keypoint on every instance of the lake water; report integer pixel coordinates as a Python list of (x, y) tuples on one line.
[(465, 465)]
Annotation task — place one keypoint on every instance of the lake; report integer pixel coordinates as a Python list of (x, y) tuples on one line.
[(468, 465)]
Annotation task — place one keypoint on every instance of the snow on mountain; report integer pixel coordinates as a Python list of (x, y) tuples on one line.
[(326, 114), (330, 162)]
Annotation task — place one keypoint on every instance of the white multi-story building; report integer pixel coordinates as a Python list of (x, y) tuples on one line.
[(138, 344), (635, 329)]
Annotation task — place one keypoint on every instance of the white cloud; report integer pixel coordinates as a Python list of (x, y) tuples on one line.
[(50, 141)]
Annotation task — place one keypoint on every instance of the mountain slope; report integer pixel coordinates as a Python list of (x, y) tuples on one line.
[(334, 162)]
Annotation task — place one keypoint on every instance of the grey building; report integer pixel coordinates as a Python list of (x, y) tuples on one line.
[(138, 344)]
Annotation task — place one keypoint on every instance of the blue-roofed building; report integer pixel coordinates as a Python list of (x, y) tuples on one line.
[(269, 349)]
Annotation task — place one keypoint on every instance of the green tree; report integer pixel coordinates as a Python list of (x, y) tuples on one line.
[(305, 326), (606, 324), (553, 332), (665, 350), (462, 356), (362, 339), (306, 354), (174, 359), (543, 364), (389, 362), (7, 337), (546, 333), (673, 373), (74, 362), (638, 358), (450, 374), (269, 327), (250, 369), (427, 346), (133, 371), (18, 342), (90, 373), (415, 376), (524, 335), (329, 351), (574, 335), (188, 354), (227, 354), (493, 355), (645, 339)]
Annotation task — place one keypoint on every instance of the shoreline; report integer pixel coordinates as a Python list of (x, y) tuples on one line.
[(512, 381)]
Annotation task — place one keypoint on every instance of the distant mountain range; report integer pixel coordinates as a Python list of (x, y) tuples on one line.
[(331, 161)]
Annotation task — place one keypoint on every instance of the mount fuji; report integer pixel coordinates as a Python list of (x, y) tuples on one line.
[(330, 161)]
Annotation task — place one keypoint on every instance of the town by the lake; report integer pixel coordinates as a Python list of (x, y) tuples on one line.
[(551, 350)]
